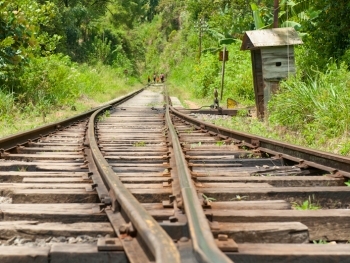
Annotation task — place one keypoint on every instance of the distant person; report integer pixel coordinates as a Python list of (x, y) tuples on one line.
[(148, 80), (162, 78), (154, 78)]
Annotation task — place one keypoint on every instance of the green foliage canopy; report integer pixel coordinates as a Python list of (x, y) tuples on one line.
[(329, 32)]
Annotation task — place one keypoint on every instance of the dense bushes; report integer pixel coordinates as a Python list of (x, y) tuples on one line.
[(54, 84), (48, 80)]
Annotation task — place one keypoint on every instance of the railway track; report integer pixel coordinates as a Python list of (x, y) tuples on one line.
[(135, 181), (251, 193)]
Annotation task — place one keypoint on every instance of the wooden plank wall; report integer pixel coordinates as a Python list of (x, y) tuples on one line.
[(277, 62)]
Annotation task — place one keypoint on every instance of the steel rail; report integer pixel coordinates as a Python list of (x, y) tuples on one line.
[(160, 244), (336, 164), (202, 238), (10, 142)]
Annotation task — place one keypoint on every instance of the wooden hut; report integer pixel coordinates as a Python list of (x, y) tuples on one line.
[(272, 53)]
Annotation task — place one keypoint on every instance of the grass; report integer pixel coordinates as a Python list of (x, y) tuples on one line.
[(139, 144), (22, 169), (208, 199), (306, 205), (239, 198), (220, 143), (194, 145), (190, 130), (103, 116), (320, 242)]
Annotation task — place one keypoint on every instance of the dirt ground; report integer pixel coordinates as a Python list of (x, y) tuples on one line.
[(191, 104)]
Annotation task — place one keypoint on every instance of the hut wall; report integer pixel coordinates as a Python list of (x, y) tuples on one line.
[(277, 62)]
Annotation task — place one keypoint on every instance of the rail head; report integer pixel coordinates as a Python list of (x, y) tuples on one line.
[(154, 236)]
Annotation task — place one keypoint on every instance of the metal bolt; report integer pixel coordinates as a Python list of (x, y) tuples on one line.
[(106, 200), (131, 229), (123, 229), (172, 198)]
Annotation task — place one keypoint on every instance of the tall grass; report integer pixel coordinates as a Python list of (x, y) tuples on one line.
[(7, 103), (318, 107)]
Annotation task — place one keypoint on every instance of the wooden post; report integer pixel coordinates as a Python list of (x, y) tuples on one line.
[(200, 40), (258, 82), (275, 13), (223, 72)]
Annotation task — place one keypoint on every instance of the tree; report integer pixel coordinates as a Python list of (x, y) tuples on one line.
[(15, 37), (329, 32), (22, 37)]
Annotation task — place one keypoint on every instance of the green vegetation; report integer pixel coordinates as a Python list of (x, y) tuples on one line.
[(306, 205), (220, 143), (103, 116), (323, 103), (194, 145), (190, 130), (87, 89), (208, 199), (58, 58), (320, 242), (41, 44), (311, 108), (22, 169), (239, 198), (139, 144)]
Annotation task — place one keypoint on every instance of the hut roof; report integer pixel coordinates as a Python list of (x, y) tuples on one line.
[(270, 38)]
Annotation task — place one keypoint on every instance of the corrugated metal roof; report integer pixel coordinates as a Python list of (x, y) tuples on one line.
[(270, 38)]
